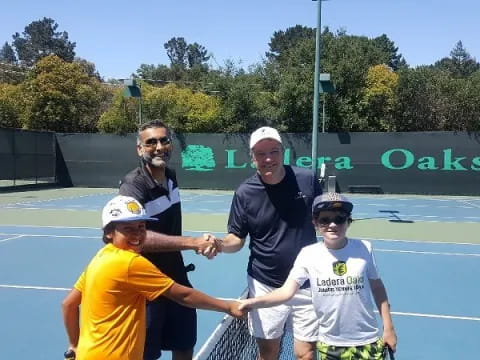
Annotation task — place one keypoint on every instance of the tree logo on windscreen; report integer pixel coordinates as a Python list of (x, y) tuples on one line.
[(198, 158), (340, 268)]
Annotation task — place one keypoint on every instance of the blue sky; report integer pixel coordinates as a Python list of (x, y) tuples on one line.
[(120, 35)]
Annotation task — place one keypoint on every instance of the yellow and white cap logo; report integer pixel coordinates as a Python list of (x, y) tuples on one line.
[(134, 207)]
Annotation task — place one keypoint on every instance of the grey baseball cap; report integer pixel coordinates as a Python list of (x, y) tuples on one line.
[(331, 201)]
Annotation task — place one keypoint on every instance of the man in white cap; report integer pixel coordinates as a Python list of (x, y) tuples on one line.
[(273, 208), (114, 287)]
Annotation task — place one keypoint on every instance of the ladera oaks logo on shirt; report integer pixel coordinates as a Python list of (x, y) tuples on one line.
[(339, 268)]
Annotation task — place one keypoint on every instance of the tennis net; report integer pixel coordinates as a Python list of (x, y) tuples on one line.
[(231, 340)]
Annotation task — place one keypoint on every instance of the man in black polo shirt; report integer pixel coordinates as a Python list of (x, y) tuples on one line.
[(273, 208), (170, 326)]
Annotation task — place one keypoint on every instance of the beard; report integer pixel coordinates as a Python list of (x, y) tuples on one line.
[(157, 161)]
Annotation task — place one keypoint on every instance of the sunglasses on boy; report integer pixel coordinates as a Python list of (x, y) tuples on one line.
[(327, 220), (153, 142)]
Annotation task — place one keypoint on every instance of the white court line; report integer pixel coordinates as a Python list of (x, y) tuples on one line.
[(73, 197), (434, 316), (204, 201), (376, 249), (51, 226), (364, 238), (223, 232), (12, 238), (416, 241), (34, 287), (217, 232), (425, 252), (421, 218), (46, 209), (48, 288), (52, 236)]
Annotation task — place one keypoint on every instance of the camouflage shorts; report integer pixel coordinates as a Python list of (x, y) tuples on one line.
[(373, 351)]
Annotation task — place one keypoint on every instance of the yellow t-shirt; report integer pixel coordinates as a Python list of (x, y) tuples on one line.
[(114, 287)]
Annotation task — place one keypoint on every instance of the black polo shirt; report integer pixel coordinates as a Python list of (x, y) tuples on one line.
[(278, 220), (163, 204)]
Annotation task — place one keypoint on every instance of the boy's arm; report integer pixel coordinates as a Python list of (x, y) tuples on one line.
[(276, 297), (381, 300), (71, 317), (187, 296)]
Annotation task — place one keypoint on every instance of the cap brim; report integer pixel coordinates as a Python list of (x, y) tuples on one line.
[(345, 206), (133, 218), (265, 138)]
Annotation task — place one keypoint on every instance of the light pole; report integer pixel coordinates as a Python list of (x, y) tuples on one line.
[(323, 113), (326, 86), (133, 90), (316, 83)]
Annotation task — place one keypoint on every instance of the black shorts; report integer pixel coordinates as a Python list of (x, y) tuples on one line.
[(170, 326)]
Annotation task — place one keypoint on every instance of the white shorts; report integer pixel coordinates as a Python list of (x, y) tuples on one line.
[(268, 323)]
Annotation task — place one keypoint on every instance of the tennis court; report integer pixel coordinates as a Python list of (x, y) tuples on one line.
[(427, 250)]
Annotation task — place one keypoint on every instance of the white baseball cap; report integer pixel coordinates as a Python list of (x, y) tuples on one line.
[(123, 209), (262, 133)]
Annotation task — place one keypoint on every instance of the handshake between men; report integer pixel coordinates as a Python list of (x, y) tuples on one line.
[(209, 246)]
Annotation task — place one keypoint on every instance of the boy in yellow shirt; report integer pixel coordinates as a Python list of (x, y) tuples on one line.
[(114, 287)]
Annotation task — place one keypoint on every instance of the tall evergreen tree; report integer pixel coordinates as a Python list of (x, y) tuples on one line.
[(395, 60), (176, 51), (185, 55), (7, 55), (10, 71), (282, 41), (196, 55), (40, 39), (460, 64)]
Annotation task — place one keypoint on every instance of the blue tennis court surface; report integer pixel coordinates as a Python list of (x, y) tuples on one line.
[(433, 287)]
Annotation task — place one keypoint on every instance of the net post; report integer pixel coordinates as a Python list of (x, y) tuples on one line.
[(332, 184)]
